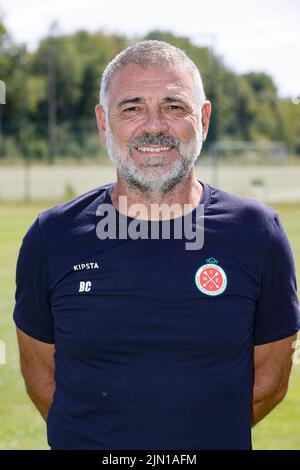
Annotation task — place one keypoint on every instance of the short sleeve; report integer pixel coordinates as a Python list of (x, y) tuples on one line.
[(277, 310), (32, 312)]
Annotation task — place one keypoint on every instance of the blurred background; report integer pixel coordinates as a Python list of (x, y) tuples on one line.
[(52, 55)]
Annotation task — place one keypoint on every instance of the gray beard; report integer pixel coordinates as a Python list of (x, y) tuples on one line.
[(154, 177)]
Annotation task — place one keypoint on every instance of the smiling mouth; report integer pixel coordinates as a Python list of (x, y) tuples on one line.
[(154, 149)]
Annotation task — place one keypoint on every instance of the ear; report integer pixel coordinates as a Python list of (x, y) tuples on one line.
[(205, 116), (101, 122)]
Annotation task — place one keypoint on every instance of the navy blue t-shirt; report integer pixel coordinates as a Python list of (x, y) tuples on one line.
[(154, 343)]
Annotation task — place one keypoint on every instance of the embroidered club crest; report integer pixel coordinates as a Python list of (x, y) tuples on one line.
[(210, 278)]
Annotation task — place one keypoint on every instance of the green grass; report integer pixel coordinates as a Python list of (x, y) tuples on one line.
[(280, 429), (21, 427), (20, 424)]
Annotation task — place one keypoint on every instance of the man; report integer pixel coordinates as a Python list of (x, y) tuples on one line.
[(139, 343)]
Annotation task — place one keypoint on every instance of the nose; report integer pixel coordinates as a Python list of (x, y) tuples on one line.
[(155, 122)]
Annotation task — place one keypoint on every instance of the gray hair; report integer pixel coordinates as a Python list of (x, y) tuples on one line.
[(150, 53)]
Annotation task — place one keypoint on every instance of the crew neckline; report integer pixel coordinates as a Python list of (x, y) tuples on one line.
[(205, 198)]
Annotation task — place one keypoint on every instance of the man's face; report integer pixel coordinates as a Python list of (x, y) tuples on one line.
[(153, 129)]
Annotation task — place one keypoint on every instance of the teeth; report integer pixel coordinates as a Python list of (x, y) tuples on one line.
[(153, 149)]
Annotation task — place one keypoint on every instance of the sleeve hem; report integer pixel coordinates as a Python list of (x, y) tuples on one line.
[(277, 336), (30, 332)]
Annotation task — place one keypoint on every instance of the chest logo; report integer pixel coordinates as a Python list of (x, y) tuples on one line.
[(210, 278), (83, 266)]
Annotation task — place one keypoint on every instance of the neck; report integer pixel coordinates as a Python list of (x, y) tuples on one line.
[(183, 198)]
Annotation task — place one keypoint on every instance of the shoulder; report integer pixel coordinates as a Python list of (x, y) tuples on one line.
[(72, 210), (255, 214), (63, 227)]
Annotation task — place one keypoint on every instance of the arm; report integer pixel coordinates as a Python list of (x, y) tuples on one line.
[(272, 367), (37, 367)]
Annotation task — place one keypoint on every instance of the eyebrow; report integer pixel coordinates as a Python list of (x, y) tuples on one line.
[(138, 99), (176, 99), (135, 100)]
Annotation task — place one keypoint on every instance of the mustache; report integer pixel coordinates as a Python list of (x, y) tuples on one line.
[(154, 139)]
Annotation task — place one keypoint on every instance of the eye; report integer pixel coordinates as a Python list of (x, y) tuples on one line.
[(176, 107), (131, 109)]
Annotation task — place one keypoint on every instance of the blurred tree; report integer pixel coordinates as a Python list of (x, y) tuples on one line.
[(68, 74), (290, 124), (245, 107), (265, 123)]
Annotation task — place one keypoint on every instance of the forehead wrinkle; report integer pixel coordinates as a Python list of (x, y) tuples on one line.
[(140, 87), (123, 78), (168, 98), (150, 83)]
